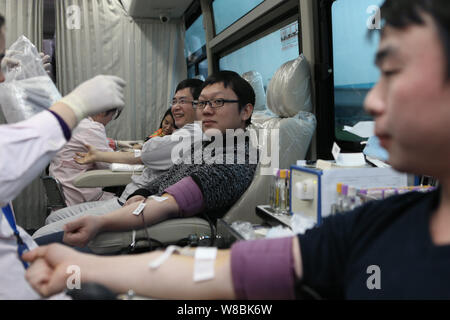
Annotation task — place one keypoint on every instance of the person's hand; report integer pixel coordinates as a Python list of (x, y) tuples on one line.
[(134, 199), (8, 64), (86, 158), (78, 233), (47, 273), (46, 61), (96, 95), (125, 144)]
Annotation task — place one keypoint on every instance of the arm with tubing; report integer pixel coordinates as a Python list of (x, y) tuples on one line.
[(48, 273), (82, 230), (187, 197)]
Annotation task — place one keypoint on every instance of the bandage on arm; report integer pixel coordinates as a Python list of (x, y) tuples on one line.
[(154, 212), (121, 274)]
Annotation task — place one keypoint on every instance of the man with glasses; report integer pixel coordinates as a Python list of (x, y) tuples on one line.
[(156, 155), (397, 248), (196, 186)]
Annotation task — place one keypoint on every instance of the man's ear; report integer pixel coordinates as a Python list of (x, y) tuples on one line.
[(246, 112)]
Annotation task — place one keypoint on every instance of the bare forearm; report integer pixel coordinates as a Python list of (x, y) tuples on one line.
[(132, 272), (118, 157), (154, 212)]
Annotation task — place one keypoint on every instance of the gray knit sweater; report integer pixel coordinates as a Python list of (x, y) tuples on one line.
[(221, 184)]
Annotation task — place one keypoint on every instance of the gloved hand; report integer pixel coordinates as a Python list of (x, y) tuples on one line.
[(46, 60), (99, 94), (8, 64)]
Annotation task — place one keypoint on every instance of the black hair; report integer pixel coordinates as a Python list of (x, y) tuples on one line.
[(194, 84), (240, 86), (400, 14), (2, 20), (168, 112), (108, 112)]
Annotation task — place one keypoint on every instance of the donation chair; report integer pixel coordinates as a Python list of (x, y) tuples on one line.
[(289, 99), (54, 194)]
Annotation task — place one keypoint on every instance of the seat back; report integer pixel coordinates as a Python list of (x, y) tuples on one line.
[(54, 194), (289, 122)]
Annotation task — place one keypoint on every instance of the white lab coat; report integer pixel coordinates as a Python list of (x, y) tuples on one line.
[(26, 148), (157, 155)]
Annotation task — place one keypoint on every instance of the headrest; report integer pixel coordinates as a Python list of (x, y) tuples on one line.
[(289, 90), (256, 81)]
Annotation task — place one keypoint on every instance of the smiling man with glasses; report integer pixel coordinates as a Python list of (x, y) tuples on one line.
[(156, 156), (226, 98), (193, 188)]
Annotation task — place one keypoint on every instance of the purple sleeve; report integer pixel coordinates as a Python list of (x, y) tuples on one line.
[(188, 196), (65, 128), (263, 269)]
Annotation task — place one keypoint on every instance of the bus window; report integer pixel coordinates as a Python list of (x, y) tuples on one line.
[(203, 69), (191, 71), (265, 55), (353, 59), (195, 48), (226, 12)]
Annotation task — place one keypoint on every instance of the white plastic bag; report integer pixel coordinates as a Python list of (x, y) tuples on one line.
[(289, 90), (27, 89), (255, 80)]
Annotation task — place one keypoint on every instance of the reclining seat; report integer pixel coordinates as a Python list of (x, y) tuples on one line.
[(289, 101), (287, 119)]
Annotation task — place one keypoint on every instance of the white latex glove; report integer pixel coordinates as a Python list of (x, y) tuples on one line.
[(46, 61), (99, 94)]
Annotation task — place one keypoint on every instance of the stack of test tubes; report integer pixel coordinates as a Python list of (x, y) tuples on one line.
[(348, 197), (279, 191)]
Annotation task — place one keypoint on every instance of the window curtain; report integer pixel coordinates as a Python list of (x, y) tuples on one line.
[(98, 37), (25, 17)]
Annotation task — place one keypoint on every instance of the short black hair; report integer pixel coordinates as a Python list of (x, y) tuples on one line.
[(2, 20), (108, 112), (400, 14), (240, 86), (194, 84)]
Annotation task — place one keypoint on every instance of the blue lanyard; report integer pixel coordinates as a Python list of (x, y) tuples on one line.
[(21, 246)]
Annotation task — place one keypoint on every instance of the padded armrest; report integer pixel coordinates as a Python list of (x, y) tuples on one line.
[(103, 178)]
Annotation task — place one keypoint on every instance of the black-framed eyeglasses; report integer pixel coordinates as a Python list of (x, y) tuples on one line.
[(215, 103), (180, 102)]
